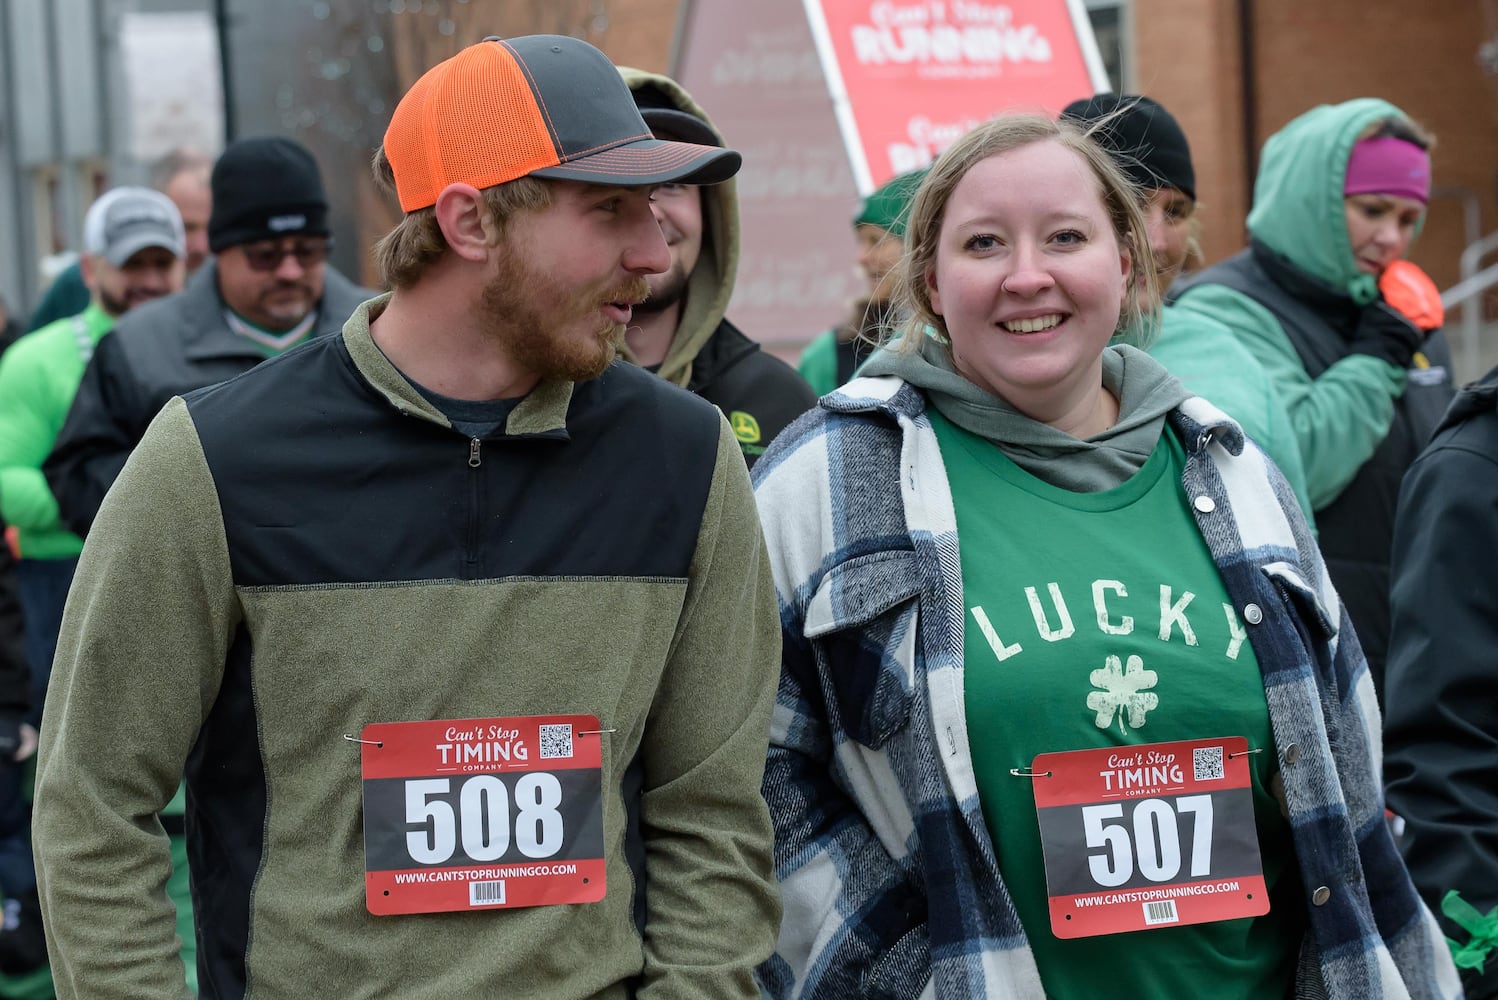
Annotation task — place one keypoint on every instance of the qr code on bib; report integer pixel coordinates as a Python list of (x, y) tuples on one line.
[(556, 742), (1206, 762)]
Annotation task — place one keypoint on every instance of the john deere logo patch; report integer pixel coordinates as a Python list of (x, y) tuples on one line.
[(745, 427)]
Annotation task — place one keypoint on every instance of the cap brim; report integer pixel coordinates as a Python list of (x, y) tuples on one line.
[(668, 123), (131, 245), (649, 161)]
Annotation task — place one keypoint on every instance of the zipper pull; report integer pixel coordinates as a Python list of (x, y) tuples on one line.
[(473, 453)]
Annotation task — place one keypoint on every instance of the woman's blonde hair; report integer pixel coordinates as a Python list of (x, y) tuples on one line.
[(1139, 320), (403, 255)]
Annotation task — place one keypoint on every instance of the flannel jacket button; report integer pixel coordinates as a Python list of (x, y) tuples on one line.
[(1205, 504), (1321, 895), (1292, 753), (1253, 614)]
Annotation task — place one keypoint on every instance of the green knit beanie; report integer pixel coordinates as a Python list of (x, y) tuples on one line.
[(890, 203)]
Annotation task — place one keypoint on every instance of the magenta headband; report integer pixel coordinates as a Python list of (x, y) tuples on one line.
[(1387, 165)]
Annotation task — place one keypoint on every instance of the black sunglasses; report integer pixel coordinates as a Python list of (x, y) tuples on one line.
[(268, 256)]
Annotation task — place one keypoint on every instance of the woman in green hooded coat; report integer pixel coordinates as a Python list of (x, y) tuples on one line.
[(1341, 192)]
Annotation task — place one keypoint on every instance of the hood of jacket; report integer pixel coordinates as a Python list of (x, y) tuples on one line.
[(1298, 210), (1475, 399), (710, 285), (1145, 391)]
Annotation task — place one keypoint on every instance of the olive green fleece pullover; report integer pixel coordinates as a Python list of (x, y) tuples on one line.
[(221, 634)]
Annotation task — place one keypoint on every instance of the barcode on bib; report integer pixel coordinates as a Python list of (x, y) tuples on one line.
[(1161, 913), (556, 742), (1206, 762), (486, 893)]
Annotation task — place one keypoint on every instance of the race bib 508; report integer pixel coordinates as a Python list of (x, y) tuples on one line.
[(469, 814)]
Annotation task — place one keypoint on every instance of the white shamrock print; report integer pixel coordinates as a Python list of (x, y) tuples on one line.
[(1123, 688)]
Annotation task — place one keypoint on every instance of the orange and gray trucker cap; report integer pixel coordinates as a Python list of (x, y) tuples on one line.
[(543, 105)]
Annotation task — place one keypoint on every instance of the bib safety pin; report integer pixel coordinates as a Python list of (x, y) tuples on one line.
[(374, 743), (594, 732), (1245, 753), (1025, 772)]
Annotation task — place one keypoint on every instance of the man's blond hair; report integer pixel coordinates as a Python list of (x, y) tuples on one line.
[(405, 253)]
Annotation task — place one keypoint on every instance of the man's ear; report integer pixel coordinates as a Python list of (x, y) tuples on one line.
[(87, 270), (464, 219)]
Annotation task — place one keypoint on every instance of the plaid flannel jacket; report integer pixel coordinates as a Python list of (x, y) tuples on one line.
[(890, 880)]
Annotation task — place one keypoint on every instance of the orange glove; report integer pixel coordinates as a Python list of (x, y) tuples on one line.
[(1410, 291)]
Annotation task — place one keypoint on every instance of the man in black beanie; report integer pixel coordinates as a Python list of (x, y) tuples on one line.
[(1148, 143), (267, 289)]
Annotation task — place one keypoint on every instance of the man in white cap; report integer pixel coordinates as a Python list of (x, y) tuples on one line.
[(133, 245)]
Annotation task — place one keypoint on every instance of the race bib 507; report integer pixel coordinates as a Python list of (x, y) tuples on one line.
[(1148, 836)]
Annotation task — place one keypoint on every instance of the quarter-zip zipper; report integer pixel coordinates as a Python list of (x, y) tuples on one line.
[(475, 516)]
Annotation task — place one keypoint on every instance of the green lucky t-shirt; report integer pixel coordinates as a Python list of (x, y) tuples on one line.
[(1099, 620)]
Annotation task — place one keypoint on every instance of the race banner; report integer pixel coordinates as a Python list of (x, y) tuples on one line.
[(908, 77), (471, 814), (754, 67)]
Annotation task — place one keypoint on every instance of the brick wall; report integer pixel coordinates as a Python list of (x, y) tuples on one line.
[(1422, 57)]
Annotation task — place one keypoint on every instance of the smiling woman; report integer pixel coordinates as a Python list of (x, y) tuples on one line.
[(1029, 282), (946, 821)]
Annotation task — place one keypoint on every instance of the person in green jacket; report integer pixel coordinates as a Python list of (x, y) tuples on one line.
[(1318, 297), (833, 355), (133, 244), (1151, 147)]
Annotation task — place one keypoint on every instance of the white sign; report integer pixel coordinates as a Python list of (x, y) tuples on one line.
[(172, 76)]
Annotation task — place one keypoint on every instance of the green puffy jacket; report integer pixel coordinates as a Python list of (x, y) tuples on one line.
[(39, 377)]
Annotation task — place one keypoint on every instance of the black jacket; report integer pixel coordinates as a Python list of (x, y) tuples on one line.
[(1441, 686), (1355, 529), (10, 333), (758, 393), (15, 671), (159, 350)]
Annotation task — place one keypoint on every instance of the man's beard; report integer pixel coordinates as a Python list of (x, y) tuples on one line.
[(119, 307), (534, 317), (673, 288), (112, 305)]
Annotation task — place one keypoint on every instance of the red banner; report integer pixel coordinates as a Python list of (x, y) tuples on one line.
[(908, 77), (754, 68)]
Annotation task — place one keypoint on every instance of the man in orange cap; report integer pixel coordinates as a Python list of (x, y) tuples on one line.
[(462, 632)]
